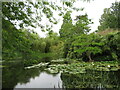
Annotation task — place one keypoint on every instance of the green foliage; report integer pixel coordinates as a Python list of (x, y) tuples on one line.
[(30, 62), (56, 45), (89, 44), (21, 44), (73, 67), (27, 48), (94, 47), (57, 49), (110, 50), (113, 41), (68, 30), (111, 17), (27, 45), (91, 79), (73, 42), (28, 13), (16, 11), (82, 25)]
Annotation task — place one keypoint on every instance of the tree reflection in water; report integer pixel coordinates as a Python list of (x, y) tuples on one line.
[(11, 76), (92, 79)]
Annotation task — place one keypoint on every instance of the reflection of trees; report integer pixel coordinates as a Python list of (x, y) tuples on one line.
[(91, 79), (13, 75)]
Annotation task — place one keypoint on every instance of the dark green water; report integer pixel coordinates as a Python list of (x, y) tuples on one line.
[(18, 77)]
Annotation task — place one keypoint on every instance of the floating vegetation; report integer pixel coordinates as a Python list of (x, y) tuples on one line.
[(37, 65), (81, 67), (58, 61)]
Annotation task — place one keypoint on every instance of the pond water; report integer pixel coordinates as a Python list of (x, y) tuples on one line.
[(44, 80), (18, 77)]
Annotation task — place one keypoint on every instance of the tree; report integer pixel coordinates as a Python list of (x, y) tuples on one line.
[(68, 31), (15, 42), (82, 25), (113, 42), (67, 26), (24, 42), (111, 17), (88, 44), (30, 14)]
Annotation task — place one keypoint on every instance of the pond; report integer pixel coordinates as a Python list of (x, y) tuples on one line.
[(44, 80), (18, 77)]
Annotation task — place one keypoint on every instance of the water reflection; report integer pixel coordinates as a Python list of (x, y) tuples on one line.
[(92, 79), (12, 76), (44, 80), (18, 77)]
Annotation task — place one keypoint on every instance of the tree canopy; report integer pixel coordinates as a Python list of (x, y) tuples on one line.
[(27, 13), (110, 17), (74, 41)]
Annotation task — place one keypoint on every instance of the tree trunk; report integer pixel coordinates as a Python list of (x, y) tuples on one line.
[(90, 58)]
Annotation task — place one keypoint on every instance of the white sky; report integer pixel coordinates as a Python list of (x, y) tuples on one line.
[(94, 9)]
